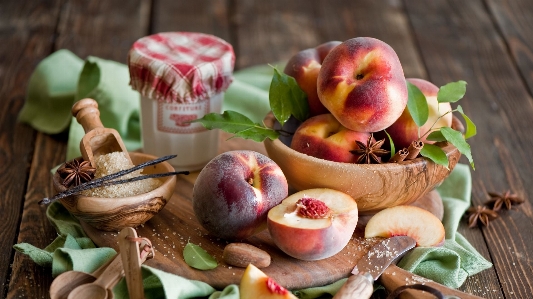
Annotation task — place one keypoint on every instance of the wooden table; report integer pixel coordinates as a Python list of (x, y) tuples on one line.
[(487, 43)]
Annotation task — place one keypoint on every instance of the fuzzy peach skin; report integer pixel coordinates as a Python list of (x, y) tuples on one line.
[(255, 284), (361, 82), (234, 192), (304, 67), (309, 238), (411, 221), (404, 130), (323, 137)]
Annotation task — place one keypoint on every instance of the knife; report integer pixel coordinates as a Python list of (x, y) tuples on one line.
[(379, 262)]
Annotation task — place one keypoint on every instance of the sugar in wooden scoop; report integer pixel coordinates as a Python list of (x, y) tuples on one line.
[(114, 162)]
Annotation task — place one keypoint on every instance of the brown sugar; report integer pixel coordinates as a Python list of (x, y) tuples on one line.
[(114, 162)]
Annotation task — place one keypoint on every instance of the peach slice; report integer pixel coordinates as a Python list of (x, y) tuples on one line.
[(411, 221), (257, 285), (313, 224)]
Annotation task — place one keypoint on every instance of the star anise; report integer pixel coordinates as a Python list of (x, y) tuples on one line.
[(75, 173), (508, 199), (369, 152), (481, 213)]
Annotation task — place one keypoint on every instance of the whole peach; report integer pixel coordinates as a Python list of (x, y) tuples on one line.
[(404, 130), (323, 137), (234, 192), (361, 82), (304, 67), (313, 224)]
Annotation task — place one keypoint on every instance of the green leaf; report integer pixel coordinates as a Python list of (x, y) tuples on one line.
[(196, 257), (392, 148), (417, 105), (471, 129), (435, 153), (436, 136), (452, 92), (287, 98), (456, 138), (238, 124)]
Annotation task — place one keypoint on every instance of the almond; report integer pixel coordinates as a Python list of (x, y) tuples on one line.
[(242, 254)]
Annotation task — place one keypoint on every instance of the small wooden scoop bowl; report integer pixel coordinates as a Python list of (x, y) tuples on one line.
[(97, 140)]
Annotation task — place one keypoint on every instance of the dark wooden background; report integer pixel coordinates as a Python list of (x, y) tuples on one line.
[(488, 43)]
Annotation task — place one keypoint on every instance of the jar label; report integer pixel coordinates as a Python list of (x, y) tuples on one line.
[(175, 117)]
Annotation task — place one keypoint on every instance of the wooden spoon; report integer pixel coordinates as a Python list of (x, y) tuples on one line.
[(131, 262), (97, 140), (101, 287), (65, 282)]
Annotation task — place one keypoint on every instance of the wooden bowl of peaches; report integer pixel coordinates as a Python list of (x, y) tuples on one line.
[(347, 99)]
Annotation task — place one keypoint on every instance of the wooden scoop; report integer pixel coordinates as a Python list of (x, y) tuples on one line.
[(97, 140)]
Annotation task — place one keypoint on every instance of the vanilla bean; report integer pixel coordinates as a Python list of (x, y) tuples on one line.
[(106, 183), (100, 181)]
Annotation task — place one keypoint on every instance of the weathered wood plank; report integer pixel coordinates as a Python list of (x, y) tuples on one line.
[(99, 28), (26, 31), (515, 20), (205, 16), (469, 47)]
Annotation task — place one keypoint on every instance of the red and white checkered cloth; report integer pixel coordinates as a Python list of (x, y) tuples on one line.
[(181, 67)]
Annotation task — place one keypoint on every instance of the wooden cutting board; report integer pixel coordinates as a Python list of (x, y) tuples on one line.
[(171, 229)]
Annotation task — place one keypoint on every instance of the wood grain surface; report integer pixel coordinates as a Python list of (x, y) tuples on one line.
[(487, 43)]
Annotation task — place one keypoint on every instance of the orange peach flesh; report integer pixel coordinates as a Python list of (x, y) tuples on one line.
[(410, 221)]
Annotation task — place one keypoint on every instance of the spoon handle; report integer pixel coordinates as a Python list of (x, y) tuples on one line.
[(111, 273), (129, 250)]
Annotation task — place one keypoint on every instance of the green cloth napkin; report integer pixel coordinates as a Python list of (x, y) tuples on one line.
[(52, 91), (62, 78)]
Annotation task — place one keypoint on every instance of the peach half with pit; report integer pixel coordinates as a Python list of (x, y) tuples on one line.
[(324, 137), (411, 221), (255, 284), (234, 192), (361, 82), (404, 130), (313, 224), (304, 67)]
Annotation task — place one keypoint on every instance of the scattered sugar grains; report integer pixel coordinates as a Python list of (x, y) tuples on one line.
[(114, 162)]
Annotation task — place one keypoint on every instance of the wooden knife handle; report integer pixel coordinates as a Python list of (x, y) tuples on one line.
[(395, 277), (357, 286)]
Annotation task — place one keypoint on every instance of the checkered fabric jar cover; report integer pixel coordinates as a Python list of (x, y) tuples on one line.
[(180, 67)]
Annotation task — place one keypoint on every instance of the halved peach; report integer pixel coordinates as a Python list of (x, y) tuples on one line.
[(313, 224)]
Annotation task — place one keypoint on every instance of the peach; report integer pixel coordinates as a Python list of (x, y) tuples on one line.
[(411, 221), (404, 130), (234, 192), (304, 67), (255, 284), (313, 224), (323, 137), (361, 82)]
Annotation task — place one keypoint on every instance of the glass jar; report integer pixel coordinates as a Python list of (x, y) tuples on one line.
[(181, 76)]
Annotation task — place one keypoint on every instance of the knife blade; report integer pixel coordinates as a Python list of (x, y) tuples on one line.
[(379, 263), (381, 255), (369, 267)]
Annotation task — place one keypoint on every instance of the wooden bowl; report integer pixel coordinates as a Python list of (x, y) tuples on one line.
[(113, 214), (374, 186)]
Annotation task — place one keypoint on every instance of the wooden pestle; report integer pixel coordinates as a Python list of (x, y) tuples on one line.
[(97, 140)]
